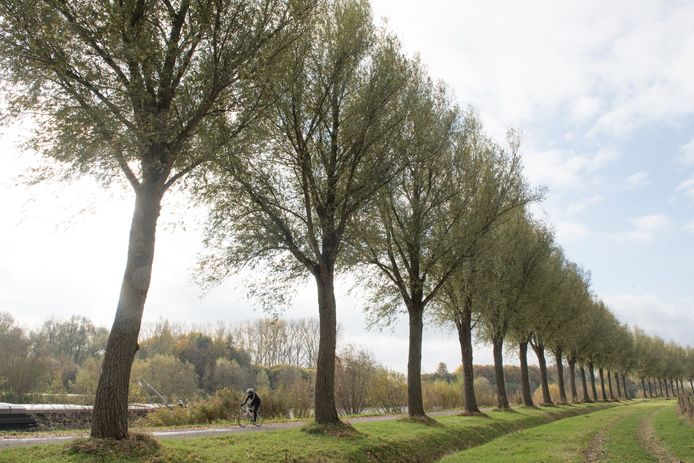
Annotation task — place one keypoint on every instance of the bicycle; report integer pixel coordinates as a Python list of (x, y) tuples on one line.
[(245, 417)]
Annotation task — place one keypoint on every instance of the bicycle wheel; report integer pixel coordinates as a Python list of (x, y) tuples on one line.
[(244, 418), (259, 420)]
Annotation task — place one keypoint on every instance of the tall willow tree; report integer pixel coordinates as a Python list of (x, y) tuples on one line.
[(506, 273), (144, 91), (405, 237), (492, 186), (317, 158)]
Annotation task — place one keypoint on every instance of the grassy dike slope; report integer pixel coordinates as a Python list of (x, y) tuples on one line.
[(618, 434), (378, 441)]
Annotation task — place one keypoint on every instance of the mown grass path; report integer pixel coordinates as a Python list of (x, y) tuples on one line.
[(642, 432)]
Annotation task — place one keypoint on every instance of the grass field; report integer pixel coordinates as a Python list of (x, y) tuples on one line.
[(642, 432), (380, 441)]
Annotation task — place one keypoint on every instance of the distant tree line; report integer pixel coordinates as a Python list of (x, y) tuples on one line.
[(320, 149)]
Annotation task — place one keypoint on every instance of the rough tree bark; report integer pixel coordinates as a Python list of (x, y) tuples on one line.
[(593, 389), (501, 399), (586, 398), (110, 416), (609, 384), (601, 372), (560, 376), (624, 386), (325, 409), (540, 353), (660, 387), (464, 326), (572, 379), (525, 379), (415, 403)]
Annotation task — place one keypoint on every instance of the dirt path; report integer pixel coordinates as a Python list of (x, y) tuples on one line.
[(206, 432), (650, 442), (597, 448), (595, 452)]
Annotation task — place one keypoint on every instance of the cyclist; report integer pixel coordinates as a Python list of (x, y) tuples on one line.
[(254, 402)]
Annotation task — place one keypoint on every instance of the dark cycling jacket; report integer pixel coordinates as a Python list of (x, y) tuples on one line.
[(254, 398)]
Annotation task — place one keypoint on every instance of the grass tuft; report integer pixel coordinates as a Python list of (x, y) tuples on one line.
[(137, 445)]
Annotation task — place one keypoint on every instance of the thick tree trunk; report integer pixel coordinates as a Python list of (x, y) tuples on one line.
[(110, 415), (540, 353), (624, 386), (324, 398), (572, 380), (525, 379), (619, 390), (584, 384), (643, 387), (667, 393), (501, 399), (591, 371), (415, 404), (691, 385), (659, 387), (560, 376), (464, 326), (602, 384), (650, 388), (609, 384)]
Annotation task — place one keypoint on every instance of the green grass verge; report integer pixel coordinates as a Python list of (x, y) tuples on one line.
[(561, 441), (675, 433), (379, 441)]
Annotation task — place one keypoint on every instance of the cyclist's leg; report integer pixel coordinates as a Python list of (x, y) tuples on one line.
[(255, 414)]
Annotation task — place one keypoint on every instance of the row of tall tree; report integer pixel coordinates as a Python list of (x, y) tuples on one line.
[(520, 290), (319, 148)]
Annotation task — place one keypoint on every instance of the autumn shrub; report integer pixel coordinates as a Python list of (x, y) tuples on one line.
[(224, 405), (441, 395), (387, 391), (553, 393), (484, 392)]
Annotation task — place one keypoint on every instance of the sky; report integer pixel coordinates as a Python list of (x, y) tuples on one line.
[(603, 93)]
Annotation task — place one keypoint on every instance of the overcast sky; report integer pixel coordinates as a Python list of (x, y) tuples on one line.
[(603, 92)]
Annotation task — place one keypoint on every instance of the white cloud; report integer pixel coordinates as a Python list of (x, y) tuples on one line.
[(566, 169), (637, 180), (645, 228), (687, 187), (670, 320), (584, 204), (687, 152), (571, 231), (607, 66)]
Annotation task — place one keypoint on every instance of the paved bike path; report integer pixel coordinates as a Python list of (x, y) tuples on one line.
[(207, 432)]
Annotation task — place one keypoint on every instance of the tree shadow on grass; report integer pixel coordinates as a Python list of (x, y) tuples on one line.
[(477, 414), (340, 429), (425, 420)]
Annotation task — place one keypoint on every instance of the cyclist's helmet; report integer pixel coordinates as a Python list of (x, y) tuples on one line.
[(249, 390)]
